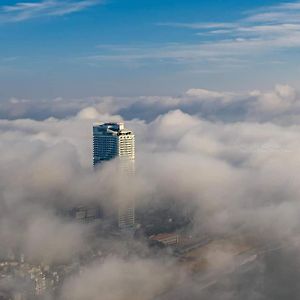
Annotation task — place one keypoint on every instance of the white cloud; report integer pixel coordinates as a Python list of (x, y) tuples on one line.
[(120, 279), (198, 25), (281, 104), (205, 94), (233, 175), (22, 11), (262, 32)]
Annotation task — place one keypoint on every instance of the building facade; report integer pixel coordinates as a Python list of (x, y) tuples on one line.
[(114, 141), (168, 239)]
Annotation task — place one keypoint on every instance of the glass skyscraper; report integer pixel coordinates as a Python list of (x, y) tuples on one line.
[(114, 141)]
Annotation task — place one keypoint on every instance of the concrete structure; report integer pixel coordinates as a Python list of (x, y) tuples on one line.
[(167, 239), (85, 214), (114, 141)]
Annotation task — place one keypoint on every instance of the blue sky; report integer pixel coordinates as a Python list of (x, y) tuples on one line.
[(80, 48)]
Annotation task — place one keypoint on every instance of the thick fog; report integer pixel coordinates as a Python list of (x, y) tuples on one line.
[(230, 160)]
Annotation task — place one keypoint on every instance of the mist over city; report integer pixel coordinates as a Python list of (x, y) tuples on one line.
[(149, 160)]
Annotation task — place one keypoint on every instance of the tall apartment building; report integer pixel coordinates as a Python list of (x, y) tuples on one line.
[(114, 141)]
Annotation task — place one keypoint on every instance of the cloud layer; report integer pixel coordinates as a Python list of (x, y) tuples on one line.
[(280, 105), (228, 160)]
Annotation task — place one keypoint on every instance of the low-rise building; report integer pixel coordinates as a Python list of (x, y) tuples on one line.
[(167, 239)]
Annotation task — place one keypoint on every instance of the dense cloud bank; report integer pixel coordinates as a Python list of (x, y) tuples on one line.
[(278, 105), (231, 159)]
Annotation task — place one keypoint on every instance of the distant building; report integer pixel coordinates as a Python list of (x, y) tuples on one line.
[(110, 141), (85, 214), (167, 239)]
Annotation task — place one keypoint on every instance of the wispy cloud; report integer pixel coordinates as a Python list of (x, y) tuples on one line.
[(198, 25), (259, 32), (284, 12), (279, 23), (22, 11)]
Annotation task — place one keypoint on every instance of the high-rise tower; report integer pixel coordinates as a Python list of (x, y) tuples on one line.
[(110, 141)]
